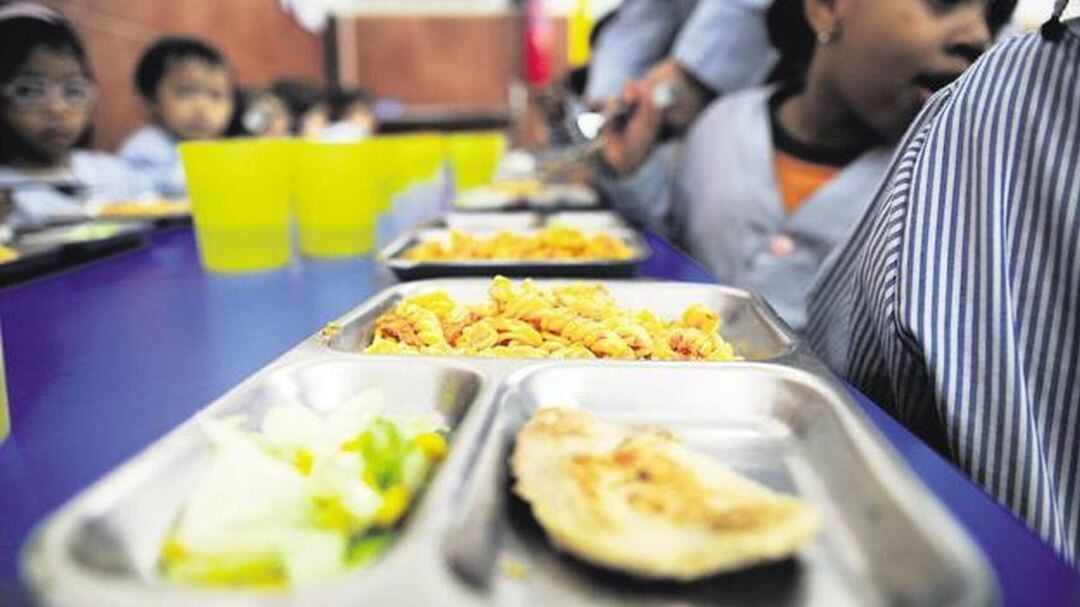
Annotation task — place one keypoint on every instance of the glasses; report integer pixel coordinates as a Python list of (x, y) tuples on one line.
[(32, 93)]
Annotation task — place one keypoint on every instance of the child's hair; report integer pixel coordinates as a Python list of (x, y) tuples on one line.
[(25, 26), (299, 96), (340, 100), (791, 36), (156, 61)]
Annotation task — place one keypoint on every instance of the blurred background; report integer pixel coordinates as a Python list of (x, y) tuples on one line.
[(443, 60)]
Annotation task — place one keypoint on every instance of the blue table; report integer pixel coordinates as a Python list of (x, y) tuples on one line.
[(103, 359)]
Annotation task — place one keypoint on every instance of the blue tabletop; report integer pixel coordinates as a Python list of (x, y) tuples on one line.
[(103, 359)]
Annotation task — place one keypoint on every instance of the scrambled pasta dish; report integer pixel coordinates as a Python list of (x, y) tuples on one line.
[(576, 320), (553, 243)]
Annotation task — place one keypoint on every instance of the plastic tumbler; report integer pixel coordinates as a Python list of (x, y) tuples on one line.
[(239, 193), (338, 197), (413, 157), (474, 157)]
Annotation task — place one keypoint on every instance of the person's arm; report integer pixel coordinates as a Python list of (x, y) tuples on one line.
[(646, 196), (638, 36), (724, 45)]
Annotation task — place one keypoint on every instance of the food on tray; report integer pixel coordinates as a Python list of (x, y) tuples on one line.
[(517, 188), (303, 498), (8, 254), (575, 320), (549, 244), (636, 500), (150, 208)]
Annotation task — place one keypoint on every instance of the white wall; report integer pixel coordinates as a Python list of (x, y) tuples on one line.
[(1032, 13)]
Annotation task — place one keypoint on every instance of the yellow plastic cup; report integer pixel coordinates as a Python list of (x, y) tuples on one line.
[(410, 158), (239, 191), (338, 198), (475, 156)]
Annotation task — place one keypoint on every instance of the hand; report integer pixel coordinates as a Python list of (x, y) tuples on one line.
[(7, 205), (691, 96), (624, 148)]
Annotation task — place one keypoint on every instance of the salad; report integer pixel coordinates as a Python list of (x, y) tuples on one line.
[(303, 497)]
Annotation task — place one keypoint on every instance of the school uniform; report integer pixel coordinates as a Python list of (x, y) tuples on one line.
[(91, 178), (153, 154), (956, 303), (722, 202), (723, 43)]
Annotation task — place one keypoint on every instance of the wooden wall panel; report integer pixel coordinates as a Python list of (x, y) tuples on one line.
[(446, 62), (261, 41)]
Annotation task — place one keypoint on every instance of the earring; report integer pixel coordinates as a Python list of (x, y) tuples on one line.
[(826, 37)]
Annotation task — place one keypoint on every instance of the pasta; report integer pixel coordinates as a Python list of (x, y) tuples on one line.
[(553, 243), (576, 320)]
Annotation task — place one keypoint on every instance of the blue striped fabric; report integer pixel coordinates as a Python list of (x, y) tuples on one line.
[(956, 302)]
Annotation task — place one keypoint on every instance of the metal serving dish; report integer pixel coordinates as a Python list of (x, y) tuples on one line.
[(785, 423), (101, 548), (47, 249), (393, 257), (516, 220), (550, 197), (747, 321), (523, 220), (885, 541)]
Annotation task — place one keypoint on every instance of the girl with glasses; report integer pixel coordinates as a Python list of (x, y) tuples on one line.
[(47, 99)]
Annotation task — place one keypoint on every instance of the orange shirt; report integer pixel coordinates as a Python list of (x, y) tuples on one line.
[(799, 179)]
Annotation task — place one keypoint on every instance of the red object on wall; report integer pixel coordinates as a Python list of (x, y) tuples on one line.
[(539, 44)]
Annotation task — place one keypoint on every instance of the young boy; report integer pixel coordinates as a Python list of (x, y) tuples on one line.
[(352, 116), (188, 89)]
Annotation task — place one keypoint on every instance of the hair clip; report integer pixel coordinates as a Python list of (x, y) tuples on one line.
[(30, 10)]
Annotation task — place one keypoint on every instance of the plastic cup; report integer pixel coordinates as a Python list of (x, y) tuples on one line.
[(239, 193), (475, 156), (409, 159), (338, 197)]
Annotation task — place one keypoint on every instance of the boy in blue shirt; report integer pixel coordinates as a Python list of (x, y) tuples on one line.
[(187, 86)]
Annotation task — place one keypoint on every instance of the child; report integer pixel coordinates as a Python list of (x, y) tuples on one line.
[(770, 179), (352, 116), (259, 113), (955, 304), (188, 89), (47, 97), (307, 105)]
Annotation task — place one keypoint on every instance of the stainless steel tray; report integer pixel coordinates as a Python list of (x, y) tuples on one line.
[(885, 541), (393, 257), (100, 549), (751, 326), (552, 197), (522, 220)]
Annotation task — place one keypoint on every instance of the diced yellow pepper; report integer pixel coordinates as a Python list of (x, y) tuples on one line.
[(432, 444), (303, 461), (395, 503)]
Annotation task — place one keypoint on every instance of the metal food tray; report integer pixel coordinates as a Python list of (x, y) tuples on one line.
[(552, 197), (469, 542), (393, 257), (52, 248), (523, 220)]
